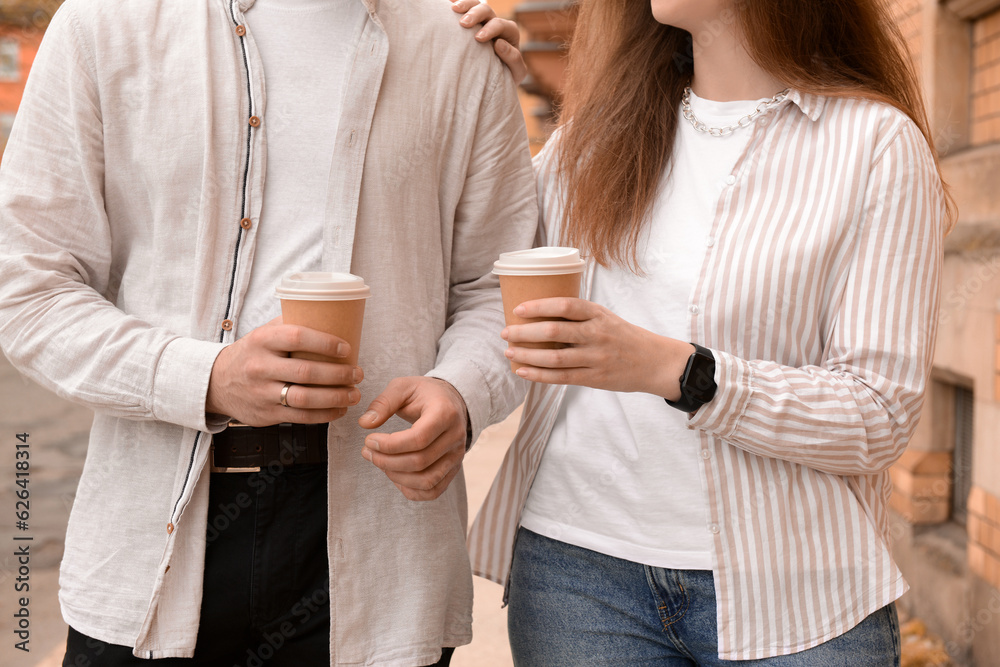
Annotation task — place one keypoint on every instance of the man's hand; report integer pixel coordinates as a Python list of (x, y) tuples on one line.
[(249, 375), (423, 459)]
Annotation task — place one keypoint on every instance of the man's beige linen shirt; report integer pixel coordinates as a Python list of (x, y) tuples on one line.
[(130, 195)]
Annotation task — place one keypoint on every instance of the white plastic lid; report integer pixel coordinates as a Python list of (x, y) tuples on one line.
[(322, 286), (539, 262)]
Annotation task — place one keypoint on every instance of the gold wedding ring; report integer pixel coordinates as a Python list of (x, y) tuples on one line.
[(284, 394)]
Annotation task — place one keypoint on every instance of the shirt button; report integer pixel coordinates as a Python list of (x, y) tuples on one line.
[(166, 570), (254, 121), (713, 528), (695, 309), (710, 241), (705, 454), (241, 30), (170, 528), (227, 325), (245, 223), (731, 180)]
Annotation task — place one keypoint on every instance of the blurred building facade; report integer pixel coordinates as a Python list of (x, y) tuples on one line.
[(22, 24), (946, 523), (545, 31), (947, 485)]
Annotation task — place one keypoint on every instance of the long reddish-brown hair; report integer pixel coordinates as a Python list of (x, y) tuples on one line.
[(627, 74)]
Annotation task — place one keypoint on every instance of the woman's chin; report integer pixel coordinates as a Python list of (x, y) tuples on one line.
[(686, 14)]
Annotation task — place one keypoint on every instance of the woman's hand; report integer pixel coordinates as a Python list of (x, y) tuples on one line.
[(604, 351), (506, 35)]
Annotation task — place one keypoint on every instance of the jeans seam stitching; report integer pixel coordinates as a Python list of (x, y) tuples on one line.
[(670, 620)]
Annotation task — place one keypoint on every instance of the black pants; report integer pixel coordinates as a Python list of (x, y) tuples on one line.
[(266, 592)]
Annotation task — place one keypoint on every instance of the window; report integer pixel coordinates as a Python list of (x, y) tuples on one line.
[(10, 60), (962, 454)]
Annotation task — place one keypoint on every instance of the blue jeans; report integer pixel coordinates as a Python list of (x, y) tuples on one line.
[(572, 606)]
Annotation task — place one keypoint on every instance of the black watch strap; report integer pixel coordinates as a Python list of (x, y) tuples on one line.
[(698, 385)]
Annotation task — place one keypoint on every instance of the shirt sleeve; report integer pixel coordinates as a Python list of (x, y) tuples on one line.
[(57, 325), (497, 213), (853, 413)]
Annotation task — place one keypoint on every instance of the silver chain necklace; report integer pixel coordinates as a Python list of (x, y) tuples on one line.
[(764, 107)]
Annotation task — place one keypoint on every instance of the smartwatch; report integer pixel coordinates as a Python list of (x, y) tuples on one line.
[(698, 382)]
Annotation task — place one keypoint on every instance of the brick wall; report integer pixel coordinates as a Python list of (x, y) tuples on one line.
[(986, 80), (909, 15), (922, 486), (984, 535), (531, 106)]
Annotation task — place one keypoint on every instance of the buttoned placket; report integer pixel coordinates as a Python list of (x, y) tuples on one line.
[(250, 188), (253, 169), (697, 318)]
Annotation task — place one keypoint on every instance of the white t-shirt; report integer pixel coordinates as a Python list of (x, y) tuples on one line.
[(621, 473), (305, 46)]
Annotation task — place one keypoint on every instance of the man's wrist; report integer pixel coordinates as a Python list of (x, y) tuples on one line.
[(213, 397), (465, 412)]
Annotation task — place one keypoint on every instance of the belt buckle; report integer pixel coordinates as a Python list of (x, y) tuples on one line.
[(215, 468)]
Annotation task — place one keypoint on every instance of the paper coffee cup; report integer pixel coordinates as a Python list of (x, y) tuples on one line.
[(330, 302), (539, 273)]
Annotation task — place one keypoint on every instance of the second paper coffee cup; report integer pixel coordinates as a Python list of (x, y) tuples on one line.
[(330, 302), (539, 273)]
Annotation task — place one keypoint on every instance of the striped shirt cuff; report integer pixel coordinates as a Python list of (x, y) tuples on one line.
[(721, 416)]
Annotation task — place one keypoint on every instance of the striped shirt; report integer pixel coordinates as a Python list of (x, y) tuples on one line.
[(818, 296)]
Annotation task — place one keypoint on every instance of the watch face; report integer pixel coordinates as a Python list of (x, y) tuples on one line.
[(700, 381)]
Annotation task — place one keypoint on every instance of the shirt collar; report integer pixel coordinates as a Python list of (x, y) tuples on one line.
[(811, 105)]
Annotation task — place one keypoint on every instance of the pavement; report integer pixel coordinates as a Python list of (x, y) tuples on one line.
[(57, 438)]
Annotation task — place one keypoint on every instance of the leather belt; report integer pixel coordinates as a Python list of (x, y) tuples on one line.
[(242, 448)]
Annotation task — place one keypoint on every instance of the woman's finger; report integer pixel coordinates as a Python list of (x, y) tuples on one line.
[(512, 58), (564, 358), (479, 13), (462, 6), (511, 34), (543, 332), (568, 376), (563, 307), (500, 29)]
